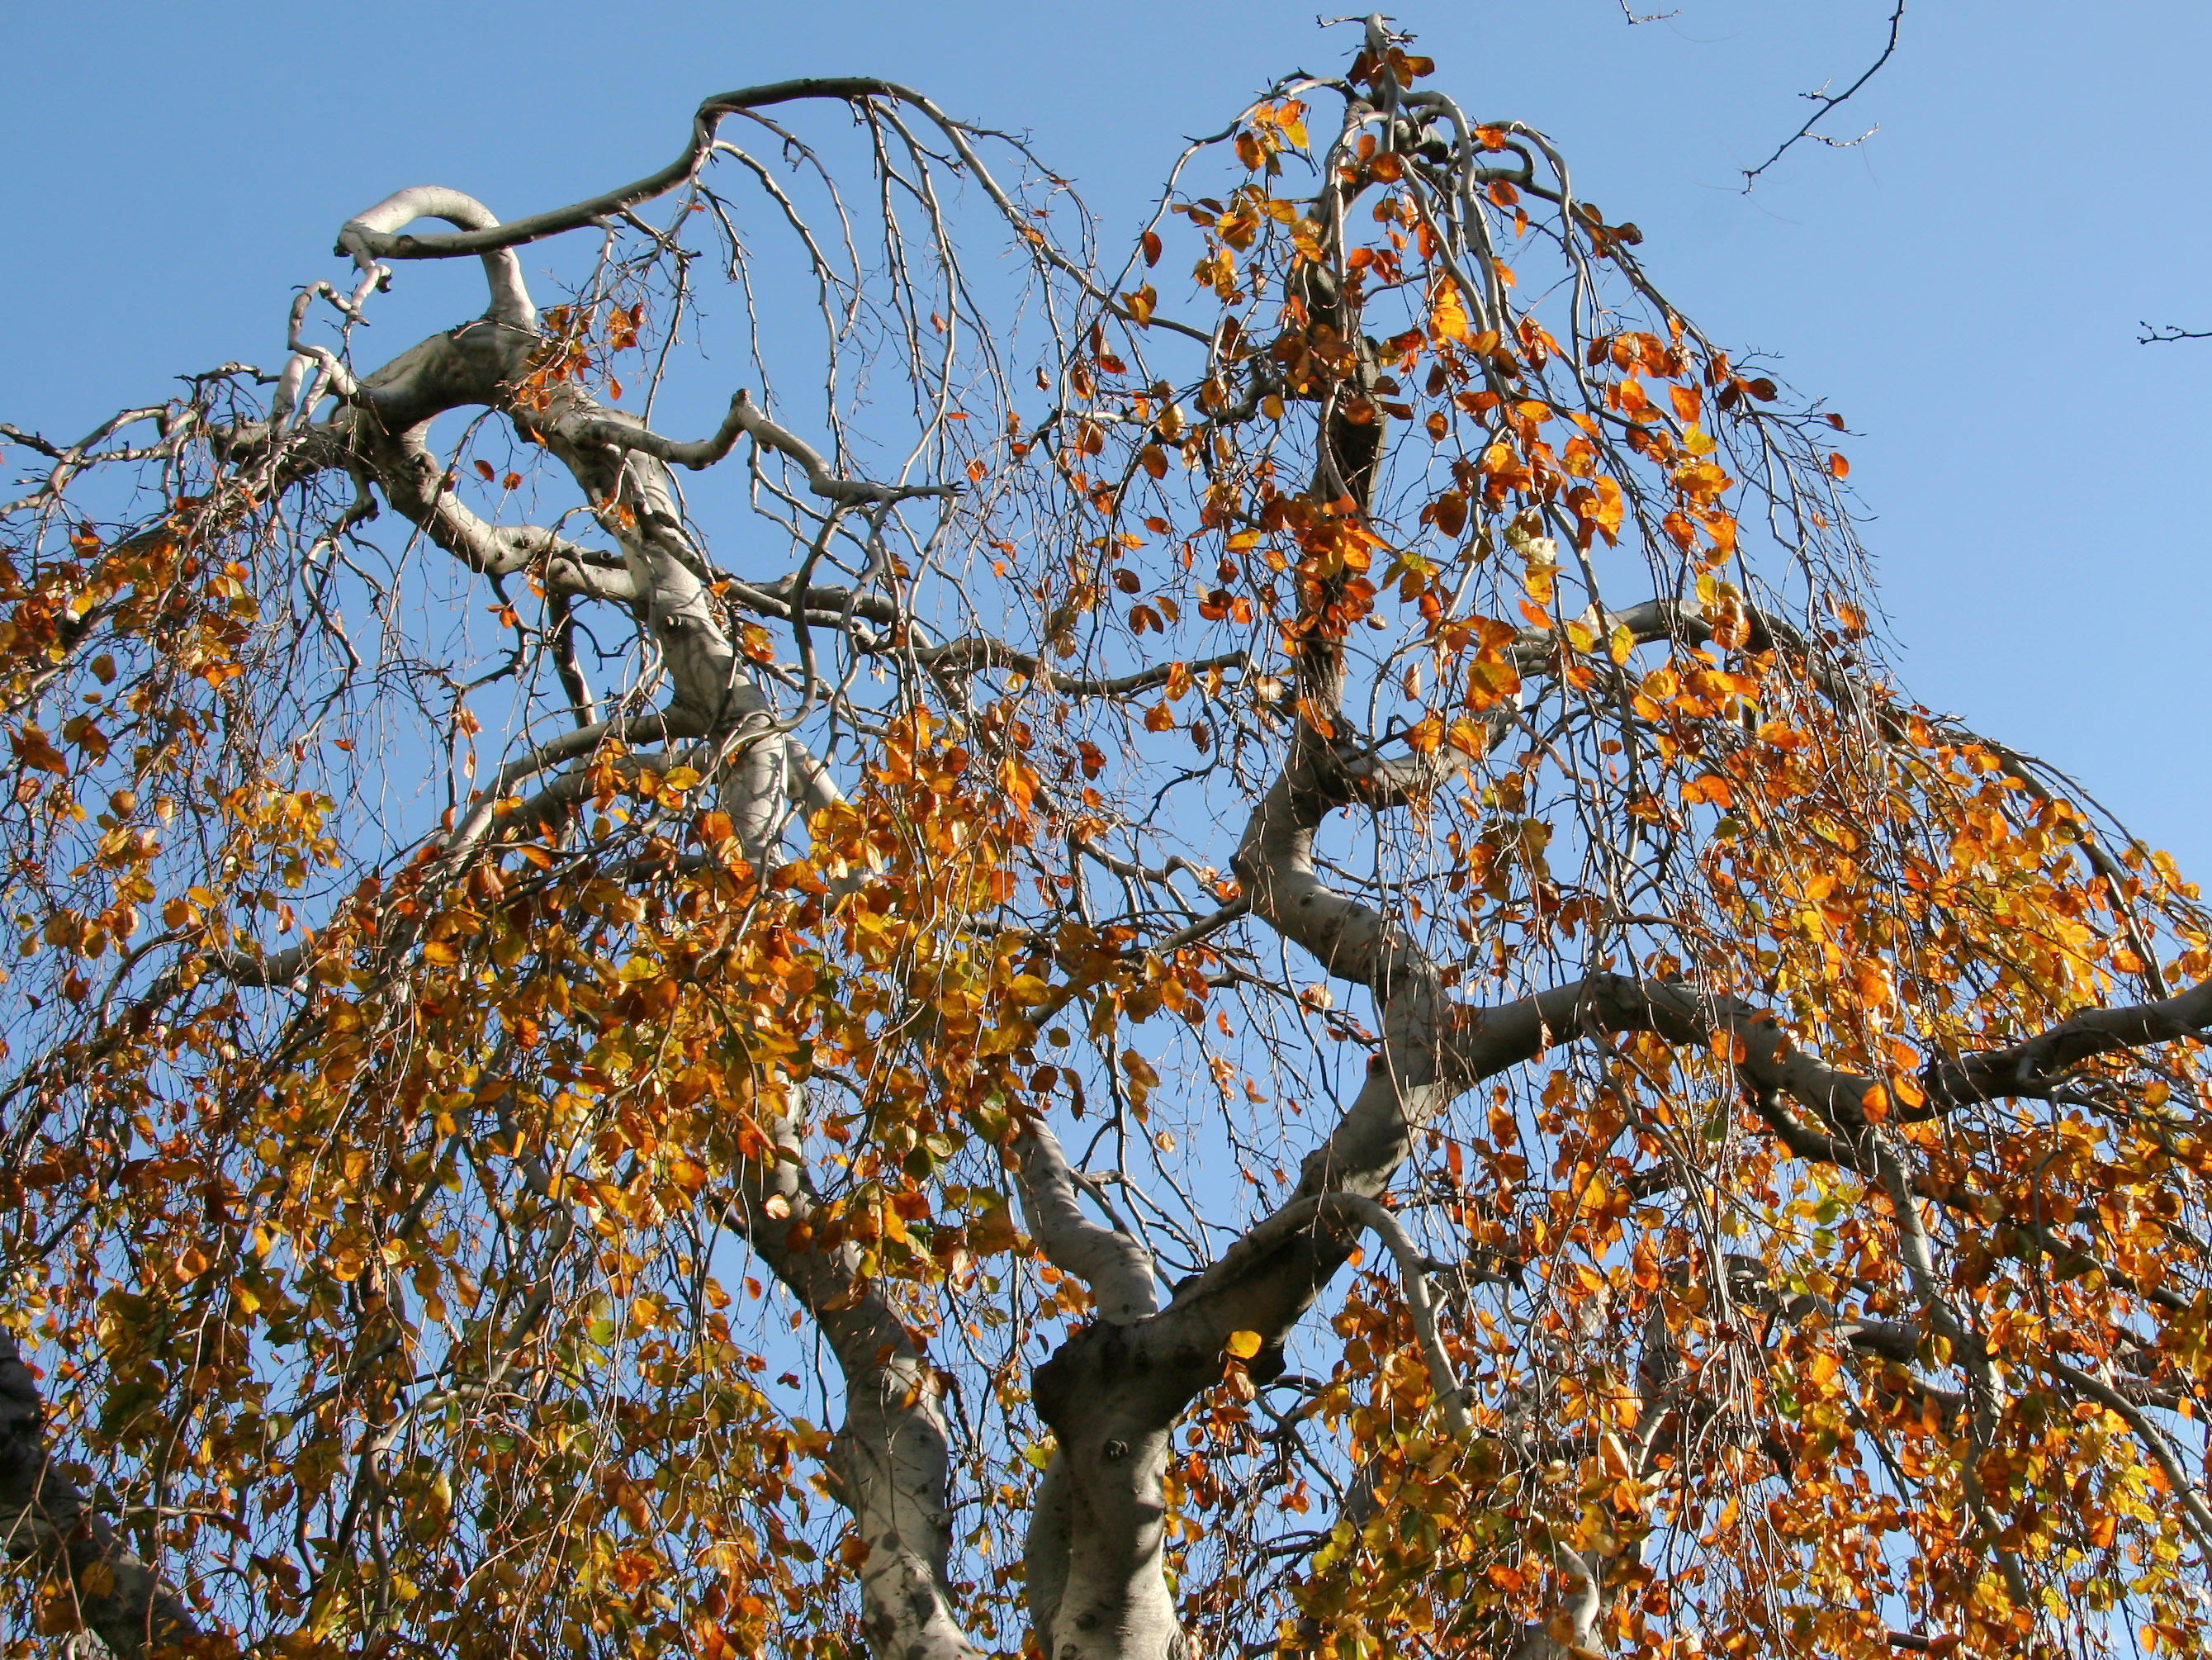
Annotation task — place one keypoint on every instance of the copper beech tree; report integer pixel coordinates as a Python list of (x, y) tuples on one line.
[(1221, 960)]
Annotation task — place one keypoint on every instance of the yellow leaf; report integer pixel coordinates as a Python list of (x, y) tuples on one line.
[(1243, 1344), (1448, 314)]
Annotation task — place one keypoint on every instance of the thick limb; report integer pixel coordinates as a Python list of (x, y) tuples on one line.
[(1120, 1274), (48, 1526), (510, 295), (890, 1461)]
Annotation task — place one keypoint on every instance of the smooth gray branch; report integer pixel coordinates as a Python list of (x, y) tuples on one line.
[(368, 235), (747, 419), (1116, 1267)]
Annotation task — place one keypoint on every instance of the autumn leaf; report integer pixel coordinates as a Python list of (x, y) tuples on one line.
[(1448, 313)]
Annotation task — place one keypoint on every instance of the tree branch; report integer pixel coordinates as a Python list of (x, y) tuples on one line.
[(748, 418), (1116, 1267), (367, 236), (1827, 102), (890, 1460), (2195, 1515), (976, 653), (48, 1526), (2166, 334)]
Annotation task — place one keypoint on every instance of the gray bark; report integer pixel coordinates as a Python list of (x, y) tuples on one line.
[(890, 1460), (889, 1457), (1092, 1558), (1114, 1392), (49, 1528)]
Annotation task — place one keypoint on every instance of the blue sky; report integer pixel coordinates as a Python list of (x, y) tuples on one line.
[(1965, 286)]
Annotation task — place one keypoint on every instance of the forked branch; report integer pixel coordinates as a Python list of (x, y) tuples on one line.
[(1826, 101)]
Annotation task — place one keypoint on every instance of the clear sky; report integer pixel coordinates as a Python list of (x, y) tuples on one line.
[(1965, 285)]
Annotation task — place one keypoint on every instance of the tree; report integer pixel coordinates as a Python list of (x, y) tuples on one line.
[(1295, 940)]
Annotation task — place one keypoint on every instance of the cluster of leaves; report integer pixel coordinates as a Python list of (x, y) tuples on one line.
[(407, 1306), (1753, 808)]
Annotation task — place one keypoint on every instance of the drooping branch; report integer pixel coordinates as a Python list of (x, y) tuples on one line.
[(379, 240), (2195, 1513), (1412, 1274), (744, 418)]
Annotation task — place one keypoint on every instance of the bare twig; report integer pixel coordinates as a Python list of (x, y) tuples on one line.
[(1828, 101)]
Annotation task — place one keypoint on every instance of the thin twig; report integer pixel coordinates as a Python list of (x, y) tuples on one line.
[(1826, 103)]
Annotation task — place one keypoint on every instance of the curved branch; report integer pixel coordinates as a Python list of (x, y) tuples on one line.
[(367, 235), (744, 417), (1116, 1267), (378, 239)]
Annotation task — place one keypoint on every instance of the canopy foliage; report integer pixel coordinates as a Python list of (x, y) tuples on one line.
[(1281, 928)]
